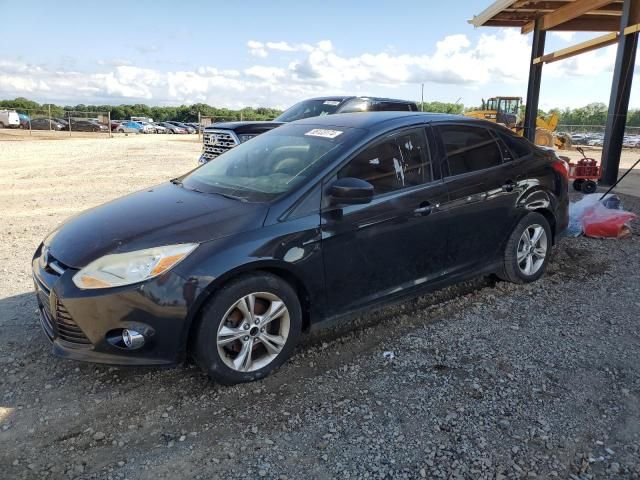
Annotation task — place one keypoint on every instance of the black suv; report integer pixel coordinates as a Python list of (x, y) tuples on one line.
[(308, 223), (220, 137)]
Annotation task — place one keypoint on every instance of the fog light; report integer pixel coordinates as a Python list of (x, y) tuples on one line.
[(132, 339)]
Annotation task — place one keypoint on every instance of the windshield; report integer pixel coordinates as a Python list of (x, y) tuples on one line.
[(271, 164), (309, 108)]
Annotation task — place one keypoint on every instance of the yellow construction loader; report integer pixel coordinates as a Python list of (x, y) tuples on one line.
[(506, 110)]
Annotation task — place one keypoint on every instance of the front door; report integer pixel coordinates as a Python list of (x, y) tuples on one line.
[(396, 242)]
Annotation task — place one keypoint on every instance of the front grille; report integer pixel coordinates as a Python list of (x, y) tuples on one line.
[(68, 330), (216, 142), (46, 319)]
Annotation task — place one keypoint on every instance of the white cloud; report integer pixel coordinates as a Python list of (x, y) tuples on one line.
[(286, 72), (566, 36), (257, 48)]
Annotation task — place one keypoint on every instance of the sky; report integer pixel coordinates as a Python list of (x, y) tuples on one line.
[(272, 54)]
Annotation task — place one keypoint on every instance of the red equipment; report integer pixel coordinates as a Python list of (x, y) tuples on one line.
[(585, 173)]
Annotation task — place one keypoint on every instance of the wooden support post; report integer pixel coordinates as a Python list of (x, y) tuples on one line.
[(535, 77), (620, 92)]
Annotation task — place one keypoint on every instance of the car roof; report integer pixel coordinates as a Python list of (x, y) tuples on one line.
[(342, 98), (371, 120)]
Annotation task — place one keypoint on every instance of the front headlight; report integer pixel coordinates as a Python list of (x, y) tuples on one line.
[(246, 136), (126, 268)]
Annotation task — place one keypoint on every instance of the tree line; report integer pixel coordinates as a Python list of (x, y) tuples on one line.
[(592, 114)]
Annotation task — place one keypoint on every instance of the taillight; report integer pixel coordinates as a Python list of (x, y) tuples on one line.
[(562, 167)]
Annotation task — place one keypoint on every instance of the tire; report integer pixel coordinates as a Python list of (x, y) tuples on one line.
[(230, 346), (170, 132), (589, 187), (543, 138), (120, 130), (515, 270), (577, 184), (2, 125)]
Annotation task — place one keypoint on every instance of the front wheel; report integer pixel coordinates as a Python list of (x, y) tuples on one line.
[(528, 250), (577, 184), (248, 329)]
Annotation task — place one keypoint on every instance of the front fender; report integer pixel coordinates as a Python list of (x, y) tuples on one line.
[(291, 248)]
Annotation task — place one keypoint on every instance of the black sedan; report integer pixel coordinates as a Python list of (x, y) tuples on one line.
[(46, 124), (87, 126), (311, 222)]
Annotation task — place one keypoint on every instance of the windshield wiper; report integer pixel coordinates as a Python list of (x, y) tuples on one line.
[(232, 197), (175, 181)]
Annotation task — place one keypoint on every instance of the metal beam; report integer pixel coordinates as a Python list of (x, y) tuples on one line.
[(562, 15), (535, 77), (593, 44), (620, 92)]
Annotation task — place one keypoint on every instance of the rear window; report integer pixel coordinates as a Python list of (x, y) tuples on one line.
[(469, 148)]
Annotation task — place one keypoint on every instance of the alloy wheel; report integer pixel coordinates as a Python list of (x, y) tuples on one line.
[(532, 249), (253, 332)]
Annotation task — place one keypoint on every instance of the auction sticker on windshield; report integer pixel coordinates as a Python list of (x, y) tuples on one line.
[(321, 132)]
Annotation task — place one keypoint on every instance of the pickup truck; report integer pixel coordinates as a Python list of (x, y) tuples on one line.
[(220, 137)]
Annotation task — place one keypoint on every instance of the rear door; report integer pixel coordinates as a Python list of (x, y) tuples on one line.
[(482, 194), (398, 240)]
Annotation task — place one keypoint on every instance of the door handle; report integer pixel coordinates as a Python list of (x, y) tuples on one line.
[(425, 208), (509, 186)]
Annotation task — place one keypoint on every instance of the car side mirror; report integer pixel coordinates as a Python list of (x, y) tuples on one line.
[(350, 191)]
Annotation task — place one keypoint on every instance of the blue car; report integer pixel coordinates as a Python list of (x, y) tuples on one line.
[(129, 127)]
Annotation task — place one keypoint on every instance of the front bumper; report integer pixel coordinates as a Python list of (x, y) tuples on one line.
[(87, 324)]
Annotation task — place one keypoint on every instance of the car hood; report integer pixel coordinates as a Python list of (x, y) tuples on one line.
[(163, 215), (244, 127)]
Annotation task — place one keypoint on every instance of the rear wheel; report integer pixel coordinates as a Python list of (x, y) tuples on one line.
[(577, 184), (589, 187), (528, 249), (248, 329)]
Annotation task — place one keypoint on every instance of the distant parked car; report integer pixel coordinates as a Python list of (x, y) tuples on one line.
[(46, 124), (24, 120), (159, 128), (188, 128), (87, 126), (130, 127), (147, 127), (9, 119), (171, 128), (61, 121)]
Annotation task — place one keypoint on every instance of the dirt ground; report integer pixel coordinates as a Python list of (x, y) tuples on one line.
[(487, 380)]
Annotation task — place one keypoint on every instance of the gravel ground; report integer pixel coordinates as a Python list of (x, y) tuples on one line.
[(487, 380)]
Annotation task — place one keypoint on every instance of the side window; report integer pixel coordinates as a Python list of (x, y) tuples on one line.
[(469, 148), (518, 145), (415, 154), (392, 164), (382, 106), (355, 105)]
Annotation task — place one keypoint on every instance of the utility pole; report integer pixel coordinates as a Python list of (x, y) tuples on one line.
[(422, 99)]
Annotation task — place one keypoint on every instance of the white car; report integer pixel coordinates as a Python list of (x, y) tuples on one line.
[(159, 128), (147, 127), (9, 119)]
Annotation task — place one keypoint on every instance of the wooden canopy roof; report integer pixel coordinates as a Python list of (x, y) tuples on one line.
[(568, 15)]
